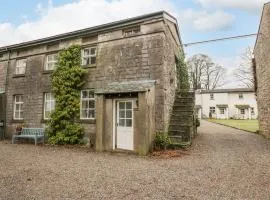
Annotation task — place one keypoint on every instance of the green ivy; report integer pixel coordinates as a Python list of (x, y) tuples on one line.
[(67, 81), (182, 72), (162, 140)]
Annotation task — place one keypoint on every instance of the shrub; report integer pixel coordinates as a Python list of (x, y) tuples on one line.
[(162, 140), (67, 81)]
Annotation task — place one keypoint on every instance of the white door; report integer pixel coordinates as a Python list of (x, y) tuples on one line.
[(124, 130)]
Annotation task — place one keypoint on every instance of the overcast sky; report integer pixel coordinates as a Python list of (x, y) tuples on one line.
[(198, 20)]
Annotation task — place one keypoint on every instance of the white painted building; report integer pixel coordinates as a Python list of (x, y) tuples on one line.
[(237, 103)]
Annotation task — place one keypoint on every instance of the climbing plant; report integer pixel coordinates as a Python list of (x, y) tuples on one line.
[(67, 81), (182, 71)]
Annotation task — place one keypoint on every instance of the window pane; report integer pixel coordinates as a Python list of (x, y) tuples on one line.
[(84, 94), (129, 122), (84, 113), (93, 60), (84, 104), (128, 114), (122, 105), (121, 122), (16, 116), (122, 114), (128, 105), (91, 104), (93, 51), (91, 113), (86, 52)]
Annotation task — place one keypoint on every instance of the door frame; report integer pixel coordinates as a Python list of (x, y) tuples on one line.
[(115, 101)]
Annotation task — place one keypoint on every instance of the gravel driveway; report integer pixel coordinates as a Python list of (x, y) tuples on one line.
[(223, 163)]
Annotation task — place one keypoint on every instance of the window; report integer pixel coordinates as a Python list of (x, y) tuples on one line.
[(212, 110), (211, 96), (242, 111), (252, 111), (125, 114), (89, 56), (50, 62), (18, 107), (49, 104), (131, 31), (222, 111), (20, 66), (241, 96), (88, 104)]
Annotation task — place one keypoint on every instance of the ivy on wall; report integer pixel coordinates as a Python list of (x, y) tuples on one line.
[(67, 81), (182, 72)]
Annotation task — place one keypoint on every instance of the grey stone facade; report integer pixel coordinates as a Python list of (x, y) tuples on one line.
[(262, 59), (145, 55)]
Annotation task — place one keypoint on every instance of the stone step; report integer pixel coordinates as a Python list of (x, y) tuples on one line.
[(184, 95), (182, 113), (180, 125), (183, 108)]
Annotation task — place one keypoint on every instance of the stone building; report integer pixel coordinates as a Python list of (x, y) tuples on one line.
[(262, 66), (130, 85), (238, 103)]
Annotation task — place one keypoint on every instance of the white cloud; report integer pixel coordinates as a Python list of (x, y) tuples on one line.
[(86, 13), (246, 5), (207, 21), (77, 15)]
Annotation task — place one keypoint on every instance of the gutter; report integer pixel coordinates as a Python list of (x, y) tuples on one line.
[(5, 96)]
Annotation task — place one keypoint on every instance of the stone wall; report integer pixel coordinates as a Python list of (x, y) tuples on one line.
[(145, 56), (262, 58)]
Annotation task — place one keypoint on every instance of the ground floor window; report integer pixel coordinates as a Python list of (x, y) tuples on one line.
[(222, 111), (252, 111), (88, 107), (212, 110), (49, 105), (18, 107), (242, 111)]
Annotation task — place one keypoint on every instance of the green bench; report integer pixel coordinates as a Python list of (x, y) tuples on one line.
[(33, 133)]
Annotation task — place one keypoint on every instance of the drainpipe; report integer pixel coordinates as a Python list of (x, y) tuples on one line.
[(6, 102)]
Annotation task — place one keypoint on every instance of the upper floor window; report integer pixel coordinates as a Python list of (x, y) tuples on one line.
[(211, 96), (241, 96), (18, 107), (88, 107), (20, 66), (89, 56), (51, 61), (49, 104), (131, 31)]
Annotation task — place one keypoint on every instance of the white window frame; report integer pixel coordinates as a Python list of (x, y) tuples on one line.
[(222, 111), (252, 110), (211, 96), (211, 109), (48, 62), (84, 57), (87, 99), (242, 109), (20, 66), (18, 100), (241, 96), (51, 102)]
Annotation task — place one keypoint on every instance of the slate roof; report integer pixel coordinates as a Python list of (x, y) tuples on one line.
[(127, 87), (234, 90)]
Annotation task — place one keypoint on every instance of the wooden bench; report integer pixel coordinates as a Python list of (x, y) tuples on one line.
[(34, 133)]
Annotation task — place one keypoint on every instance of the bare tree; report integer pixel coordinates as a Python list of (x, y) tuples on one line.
[(244, 72), (204, 73)]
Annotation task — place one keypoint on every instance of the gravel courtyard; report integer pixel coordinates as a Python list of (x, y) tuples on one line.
[(223, 163)]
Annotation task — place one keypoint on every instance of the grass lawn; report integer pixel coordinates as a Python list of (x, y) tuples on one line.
[(248, 125)]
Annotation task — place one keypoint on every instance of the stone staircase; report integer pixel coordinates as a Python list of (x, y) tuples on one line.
[(182, 127)]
